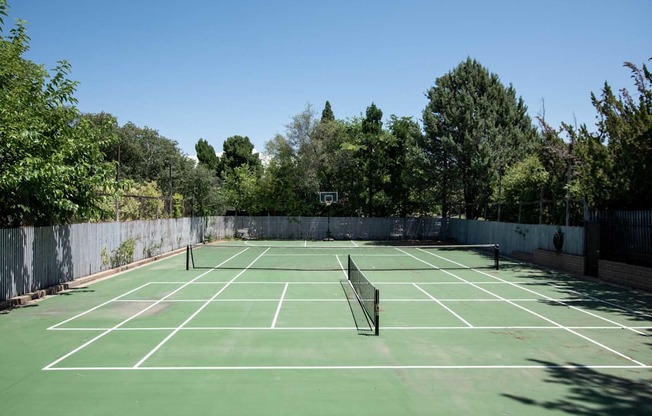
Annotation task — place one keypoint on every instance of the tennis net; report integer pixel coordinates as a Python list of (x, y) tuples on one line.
[(367, 294), (377, 256)]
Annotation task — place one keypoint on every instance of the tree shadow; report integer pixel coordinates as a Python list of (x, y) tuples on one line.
[(7, 311), (14, 270), (76, 290), (593, 393), (48, 269)]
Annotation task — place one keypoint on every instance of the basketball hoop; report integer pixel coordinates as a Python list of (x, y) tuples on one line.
[(328, 198)]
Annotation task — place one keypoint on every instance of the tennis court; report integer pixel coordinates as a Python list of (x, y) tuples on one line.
[(277, 327)]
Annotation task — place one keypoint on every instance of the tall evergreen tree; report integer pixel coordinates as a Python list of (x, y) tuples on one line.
[(373, 151), (405, 185), (327, 114), (474, 128), (206, 155)]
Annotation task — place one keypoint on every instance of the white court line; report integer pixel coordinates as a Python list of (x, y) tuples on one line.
[(456, 300), (354, 243), (522, 307), (444, 306), (610, 303), (242, 300), (280, 304), (342, 267), (92, 340), (340, 328), (561, 302), (342, 254), (201, 308), (97, 307), (358, 367)]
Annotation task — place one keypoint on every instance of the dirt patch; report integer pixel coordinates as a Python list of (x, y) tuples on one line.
[(127, 309)]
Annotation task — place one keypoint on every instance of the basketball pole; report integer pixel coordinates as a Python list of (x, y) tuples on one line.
[(328, 198), (328, 231)]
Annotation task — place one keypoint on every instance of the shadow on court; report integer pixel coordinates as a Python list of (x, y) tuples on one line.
[(592, 392), (598, 296), (361, 320)]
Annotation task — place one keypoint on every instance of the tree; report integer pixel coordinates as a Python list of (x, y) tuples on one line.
[(625, 124), (241, 189), (475, 127), (51, 161), (372, 148), (327, 114), (306, 153), (405, 188), (300, 129), (201, 191), (522, 183), (206, 155), (281, 182), (238, 151)]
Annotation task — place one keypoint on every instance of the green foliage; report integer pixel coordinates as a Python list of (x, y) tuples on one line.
[(146, 202), (281, 183), (135, 201), (124, 254), (206, 155), (121, 256), (474, 128), (625, 124), (478, 147), (154, 249), (241, 189), (523, 183), (372, 168), (202, 193), (406, 161), (177, 205), (238, 151), (50, 156), (327, 114)]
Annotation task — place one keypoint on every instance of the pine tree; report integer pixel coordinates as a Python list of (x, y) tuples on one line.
[(474, 127), (327, 115)]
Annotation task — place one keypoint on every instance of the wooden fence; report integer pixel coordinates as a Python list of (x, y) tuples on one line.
[(35, 258)]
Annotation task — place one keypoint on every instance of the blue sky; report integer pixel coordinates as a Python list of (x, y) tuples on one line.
[(213, 69)]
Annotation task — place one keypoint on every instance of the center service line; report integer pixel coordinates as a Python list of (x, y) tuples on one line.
[(208, 302), (280, 303)]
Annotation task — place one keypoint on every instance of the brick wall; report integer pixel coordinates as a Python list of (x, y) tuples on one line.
[(625, 274)]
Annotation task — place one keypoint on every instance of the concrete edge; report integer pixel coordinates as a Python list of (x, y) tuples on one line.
[(27, 298)]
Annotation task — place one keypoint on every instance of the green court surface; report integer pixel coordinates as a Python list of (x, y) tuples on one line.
[(275, 328)]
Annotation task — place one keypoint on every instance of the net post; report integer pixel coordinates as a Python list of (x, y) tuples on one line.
[(188, 257), (377, 311), (348, 270), (496, 255)]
